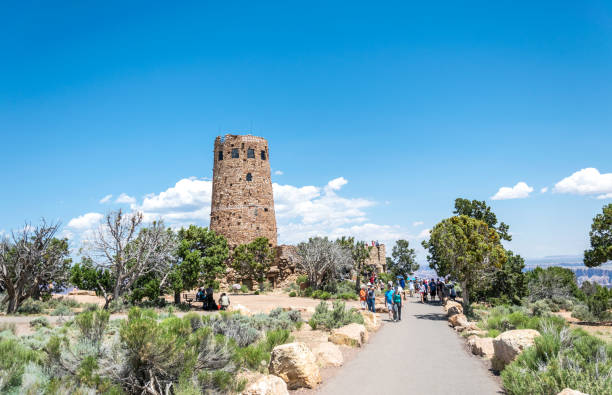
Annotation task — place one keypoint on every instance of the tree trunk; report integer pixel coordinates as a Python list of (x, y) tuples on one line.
[(465, 295), (358, 281), (177, 297), (12, 304)]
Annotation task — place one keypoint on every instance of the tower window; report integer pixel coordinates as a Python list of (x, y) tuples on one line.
[(263, 155), (235, 153), (220, 155), (249, 177), (251, 153)]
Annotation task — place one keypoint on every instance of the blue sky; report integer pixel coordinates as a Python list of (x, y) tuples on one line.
[(402, 107)]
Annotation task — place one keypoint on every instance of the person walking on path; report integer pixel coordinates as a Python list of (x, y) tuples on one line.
[(389, 300), (411, 288), (402, 284), (362, 297), (371, 298), (432, 289), (397, 304)]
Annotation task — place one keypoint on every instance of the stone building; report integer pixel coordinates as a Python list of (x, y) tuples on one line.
[(242, 206), (378, 257)]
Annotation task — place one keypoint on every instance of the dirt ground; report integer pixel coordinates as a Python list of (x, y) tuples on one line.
[(603, 332), (254, 303)]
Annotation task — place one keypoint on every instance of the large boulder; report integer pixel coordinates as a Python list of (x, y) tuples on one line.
[(474, 332), (458, 320), (296, 365), (453, 308), (381, 308), (266, 385), (508, 345), (353, 335), (328, 354), (569, 391), (371, 321), (481, 346)]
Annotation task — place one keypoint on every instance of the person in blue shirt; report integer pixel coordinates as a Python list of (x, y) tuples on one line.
[(402, 284), (389, 299)]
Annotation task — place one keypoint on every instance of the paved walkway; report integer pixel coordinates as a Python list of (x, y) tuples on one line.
[(419, 355)]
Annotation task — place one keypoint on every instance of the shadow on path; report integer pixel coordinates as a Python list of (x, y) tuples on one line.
[(431, 316)]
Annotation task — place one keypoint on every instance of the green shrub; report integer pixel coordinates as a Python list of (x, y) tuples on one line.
[(8, 327), (62, 310), (493, 333), (582, 312), (244, 289), (254, 356), (301, 279), (31, 306), (338, 316), (292, 294), (276, 338), (117, 306), (183, 306), (347, 296), (256, 292), (561, 359), (92, 324), (39, 322), (539, 308), (13, 358), (319, 294), (235, 326)]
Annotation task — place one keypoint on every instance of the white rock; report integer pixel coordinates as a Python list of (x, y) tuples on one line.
[(508, 345), (328, 354), (353, 335), (296, 365)]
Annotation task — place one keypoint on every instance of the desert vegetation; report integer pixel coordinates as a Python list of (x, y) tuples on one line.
[(467, 249), (145, 353)]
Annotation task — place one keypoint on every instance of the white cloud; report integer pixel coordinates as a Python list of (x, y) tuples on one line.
[(417, 223), (544, 190), (105, 199), (301, 212), (125, 198), (424, 234), (519, 191), (85, 221), (278, 173), (336, 184), (605, 196), (587, 181)]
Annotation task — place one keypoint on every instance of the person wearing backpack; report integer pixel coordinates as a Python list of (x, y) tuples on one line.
[(397, 304)]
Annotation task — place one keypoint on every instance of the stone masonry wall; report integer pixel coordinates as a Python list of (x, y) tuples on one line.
[(242, 206), (378, 258)]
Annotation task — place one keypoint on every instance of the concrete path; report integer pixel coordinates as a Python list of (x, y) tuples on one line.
[(419, 355)]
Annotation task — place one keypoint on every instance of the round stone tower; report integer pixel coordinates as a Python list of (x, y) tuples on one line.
[(242, 201)]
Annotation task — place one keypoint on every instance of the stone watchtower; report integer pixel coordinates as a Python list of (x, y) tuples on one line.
[(242, 201)]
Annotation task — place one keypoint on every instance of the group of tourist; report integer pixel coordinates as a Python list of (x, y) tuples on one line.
[(393, 298), (432, 288), (208, 301)]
